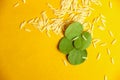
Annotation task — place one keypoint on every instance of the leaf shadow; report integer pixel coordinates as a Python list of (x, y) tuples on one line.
[(66, 25)]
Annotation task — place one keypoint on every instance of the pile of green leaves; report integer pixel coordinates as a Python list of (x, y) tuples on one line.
[(74, 43)]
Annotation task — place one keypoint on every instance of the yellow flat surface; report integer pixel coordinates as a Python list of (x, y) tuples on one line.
[(34, 56)]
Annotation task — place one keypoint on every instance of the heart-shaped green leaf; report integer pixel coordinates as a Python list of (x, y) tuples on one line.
[(77, 56), (65, 45), (73, 30), (83, 41)]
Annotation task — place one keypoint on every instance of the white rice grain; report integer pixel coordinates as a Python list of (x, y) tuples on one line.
[(103, 22), (99, 3), (98, 56), (90, 24), (101, 28), (114, 41), (30, 21), (83, 2), (51, 7), (108, 51), (94, 45), (24, 1), (94, 20), (98, 19), (48, 34), (92, 27), (86, 2), (85, 24), (103, 44), (102, 16), (84, 37), (36, 19), (91, 8), (105, 77), (96, 41), (16, 5), (89, 13), (65, 63), (110, 33), (22, 24), (112, 61), (75, 38), (85, 58), (110, 4), (27, 30)]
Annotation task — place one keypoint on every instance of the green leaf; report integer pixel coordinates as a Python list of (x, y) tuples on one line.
[(77, 56), (83, 41), (65, 45), (73, 30)]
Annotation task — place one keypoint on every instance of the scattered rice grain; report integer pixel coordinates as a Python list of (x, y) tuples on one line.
[(65, 63), (94, 20), (36, 20), (114, 41), (105, 77), (98, 56), (51, 7), (110, 4), (96, 41), (27, 30), (110, 33), (92, 27), (103, 23), (86, 2), (30, 21), (103, 20), (102, 16), (83, 2), (85, 24), (16, 5), (75, 38), (101, 28), (22, 24), (103, 44), (108, 51), (98, 18), (48, 34), (84, 57), (89, 13), (112, 61), (24, 1), (94, 45), (99, 3), (84, 37)]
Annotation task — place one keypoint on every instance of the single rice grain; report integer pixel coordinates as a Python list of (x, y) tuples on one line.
[(112, 60), (98, 56), (65, 63), (27, 30), (23, 24), (108, 51), (24, 1), (114, 41), (103, 44), (110, 4), (105, 77), (16, 5), (110, 33)]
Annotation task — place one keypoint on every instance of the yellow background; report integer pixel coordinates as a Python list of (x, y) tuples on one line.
[(34, 56)]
